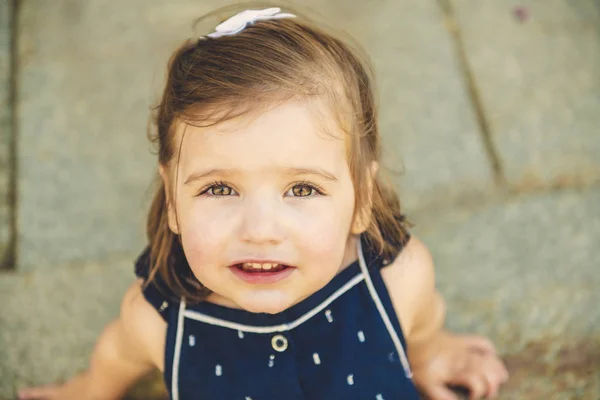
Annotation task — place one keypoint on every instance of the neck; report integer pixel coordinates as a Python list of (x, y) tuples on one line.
[(351, 253)]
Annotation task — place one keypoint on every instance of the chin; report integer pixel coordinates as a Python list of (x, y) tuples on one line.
[(265, 307)]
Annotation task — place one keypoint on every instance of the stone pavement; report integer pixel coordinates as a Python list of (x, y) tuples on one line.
[(492, 116), (524, 271), (6, 122)]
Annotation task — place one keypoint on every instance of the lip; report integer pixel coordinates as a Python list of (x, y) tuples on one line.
[(261, 278), (259, 261)]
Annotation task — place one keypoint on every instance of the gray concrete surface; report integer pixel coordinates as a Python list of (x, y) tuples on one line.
[(522, 269), (525, 272), (49, 320), (83, 162), (5, 128), (426, 117), (539, 84)]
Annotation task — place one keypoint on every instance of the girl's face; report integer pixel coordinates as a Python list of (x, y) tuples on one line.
[(254, 192)]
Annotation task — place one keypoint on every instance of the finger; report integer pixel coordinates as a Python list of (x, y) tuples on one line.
[(40, 392), (496, 375), (503, 371), (496, 364), (472, 378), (440, 393), (477, 386), (480, 343), (492, 383)]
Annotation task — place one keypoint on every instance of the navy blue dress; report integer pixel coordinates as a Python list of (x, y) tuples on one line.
[(343, 342)]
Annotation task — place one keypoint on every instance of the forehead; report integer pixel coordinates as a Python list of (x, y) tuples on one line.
[(294, 132)]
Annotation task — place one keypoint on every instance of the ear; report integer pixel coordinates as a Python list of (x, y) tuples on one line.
[(362, 217), (171, 214)]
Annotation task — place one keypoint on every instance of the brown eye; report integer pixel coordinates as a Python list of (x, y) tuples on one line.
[(220, 190), (302, 190)]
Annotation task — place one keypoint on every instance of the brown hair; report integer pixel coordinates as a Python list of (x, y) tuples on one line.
[(267, 63)]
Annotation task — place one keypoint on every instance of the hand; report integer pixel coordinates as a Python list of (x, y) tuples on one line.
[(75, 389), (466, 361)]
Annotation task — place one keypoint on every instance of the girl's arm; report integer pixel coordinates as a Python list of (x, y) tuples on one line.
[(410, 280), (437, 357), (128, 348)]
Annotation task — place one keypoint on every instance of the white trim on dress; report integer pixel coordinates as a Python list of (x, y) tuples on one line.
[(383, 313), (276, 328), (177, 354)]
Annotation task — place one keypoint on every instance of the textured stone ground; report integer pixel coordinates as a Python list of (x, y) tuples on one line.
[(525, 272)]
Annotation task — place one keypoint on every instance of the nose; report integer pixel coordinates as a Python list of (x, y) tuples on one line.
[(260, 222)]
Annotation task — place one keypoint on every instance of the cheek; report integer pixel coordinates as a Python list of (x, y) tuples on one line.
[(325, 233), (205, 233)]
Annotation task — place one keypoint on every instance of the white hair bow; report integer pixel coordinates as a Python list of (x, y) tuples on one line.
[(238, 22)]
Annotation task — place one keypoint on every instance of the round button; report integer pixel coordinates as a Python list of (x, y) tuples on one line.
[(279, 343)]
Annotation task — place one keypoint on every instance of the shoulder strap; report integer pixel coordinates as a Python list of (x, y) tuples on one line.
[(372, 280), (403, 243), (154, 291), (376, 260)]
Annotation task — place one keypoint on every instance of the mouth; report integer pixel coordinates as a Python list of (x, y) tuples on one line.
[(261, 273), (259, 268)]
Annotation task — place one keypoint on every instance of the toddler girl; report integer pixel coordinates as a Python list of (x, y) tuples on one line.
[(279, 264)]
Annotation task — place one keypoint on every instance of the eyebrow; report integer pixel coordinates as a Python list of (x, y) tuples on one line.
[(288, 171)]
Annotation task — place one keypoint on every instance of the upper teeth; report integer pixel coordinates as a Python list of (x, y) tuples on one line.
[(260, 266)]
